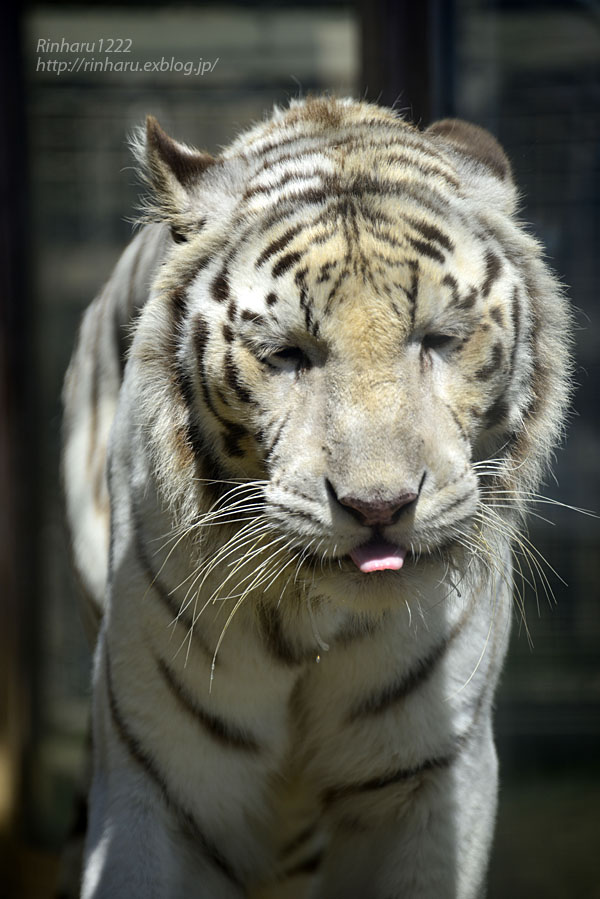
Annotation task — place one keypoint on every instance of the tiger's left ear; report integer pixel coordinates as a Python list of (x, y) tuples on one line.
[(480, 159), (175, 173)]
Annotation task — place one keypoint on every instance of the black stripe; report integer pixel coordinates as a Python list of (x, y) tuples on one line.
[(198, 265), (200, 336), (335, 193), (402, 775), (184, 386), (145, 761), (405, 162), (466, 301), (431, 233), (232, 436), (279, 244), (364, 184), (388, 262), (515, 314), (306, 306), (307, 866), (279, 210), (328, 228), (302, 837), (247, 315), (220, 287), (285, 263), (279, 160), (325, 272), (300, 276), (391, 694), (271, 299), (384, 237), (277, 437), (232, 378), (498, 315), (469, 299), (178, 302), (458, 423), (379, 135), (379, 140), (493, 366), (376, 220), (493, 268), (413, 291), (400, 187), (214, 478), (359, 628), (334, 289), (294, 178), (428, 197), (312, 196), (223, 732), (451, 282), (277, 645), (426, 249)]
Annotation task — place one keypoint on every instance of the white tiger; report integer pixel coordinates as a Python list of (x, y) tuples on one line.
[(347, 369)]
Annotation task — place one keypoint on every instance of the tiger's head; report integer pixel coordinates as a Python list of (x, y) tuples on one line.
[(353, 344)]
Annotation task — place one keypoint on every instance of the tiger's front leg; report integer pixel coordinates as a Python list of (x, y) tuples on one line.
[(140, 842), (428, 838)]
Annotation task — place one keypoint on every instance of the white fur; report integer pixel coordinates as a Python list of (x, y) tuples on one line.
[(175, 809)]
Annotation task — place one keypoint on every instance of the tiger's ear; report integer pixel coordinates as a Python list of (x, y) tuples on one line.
[(172, 166), (174, 172), (480, 159)]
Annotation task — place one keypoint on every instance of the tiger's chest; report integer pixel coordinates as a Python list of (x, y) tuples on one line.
[(314, 694)]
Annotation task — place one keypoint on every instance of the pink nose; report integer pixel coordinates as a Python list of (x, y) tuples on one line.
[(379, 512)]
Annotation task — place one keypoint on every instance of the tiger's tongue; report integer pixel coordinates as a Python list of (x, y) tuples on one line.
[(378, 555)]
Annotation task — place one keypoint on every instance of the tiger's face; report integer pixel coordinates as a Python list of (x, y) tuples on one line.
[(362, 388), (363, 345)]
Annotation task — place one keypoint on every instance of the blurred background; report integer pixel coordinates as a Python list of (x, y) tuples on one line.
[(527, 70)]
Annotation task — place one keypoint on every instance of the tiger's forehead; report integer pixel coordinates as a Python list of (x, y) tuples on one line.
[(349, 208), (355, 271), (316, 166), (381, 166)]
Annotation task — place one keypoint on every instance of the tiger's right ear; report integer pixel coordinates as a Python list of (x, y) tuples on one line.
[(173, 171), (484, 165)]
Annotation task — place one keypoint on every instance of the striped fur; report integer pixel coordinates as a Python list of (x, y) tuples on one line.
[(342, 335)]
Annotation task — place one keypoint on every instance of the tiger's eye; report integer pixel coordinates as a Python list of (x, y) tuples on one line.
[(177, 236), (436, 341), (289, 356)]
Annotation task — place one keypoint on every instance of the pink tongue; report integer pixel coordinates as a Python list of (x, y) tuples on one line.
[(378, 555)]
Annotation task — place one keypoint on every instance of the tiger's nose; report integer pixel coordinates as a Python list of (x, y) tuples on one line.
[(378, 512)]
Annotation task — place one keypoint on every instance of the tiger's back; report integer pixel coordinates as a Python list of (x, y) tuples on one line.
[(348, 372)]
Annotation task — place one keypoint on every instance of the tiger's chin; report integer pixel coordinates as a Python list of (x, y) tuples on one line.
[(367, 595), (380, 587)]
